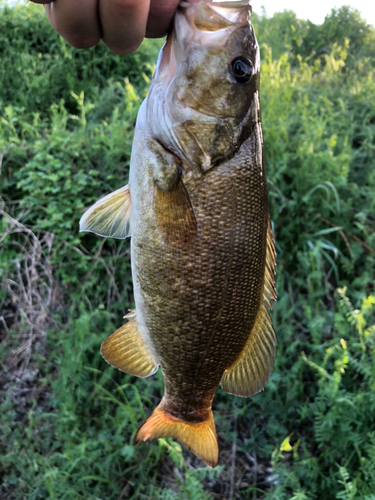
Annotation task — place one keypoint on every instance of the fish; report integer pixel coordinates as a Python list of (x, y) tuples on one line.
[(196, 209)]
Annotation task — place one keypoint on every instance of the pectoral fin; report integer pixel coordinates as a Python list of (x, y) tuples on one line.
[(252, 370), (174, 214), (110, 216), (126, 350)]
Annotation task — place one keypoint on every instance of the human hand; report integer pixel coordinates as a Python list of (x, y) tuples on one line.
[(121, 24)]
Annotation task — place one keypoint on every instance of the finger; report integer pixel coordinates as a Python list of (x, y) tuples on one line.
[(77, 22), (160, 17), (123, 23)]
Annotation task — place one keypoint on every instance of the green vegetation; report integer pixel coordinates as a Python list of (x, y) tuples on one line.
[(67, 419)]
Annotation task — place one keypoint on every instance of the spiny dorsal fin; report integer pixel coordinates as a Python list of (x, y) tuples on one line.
[(110, 216), (252, 370), (126, 350), (200, 438), (175, 215)]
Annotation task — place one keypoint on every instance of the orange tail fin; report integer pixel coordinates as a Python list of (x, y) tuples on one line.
[(200, 438)]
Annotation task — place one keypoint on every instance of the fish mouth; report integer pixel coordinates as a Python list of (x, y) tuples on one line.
[(232, 11)]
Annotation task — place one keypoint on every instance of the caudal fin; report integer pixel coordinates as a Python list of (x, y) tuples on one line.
[(198, 437)]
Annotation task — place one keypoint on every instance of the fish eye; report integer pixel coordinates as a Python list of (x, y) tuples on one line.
[(241, 69)]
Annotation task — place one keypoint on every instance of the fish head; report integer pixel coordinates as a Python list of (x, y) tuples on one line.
[(204, 97)]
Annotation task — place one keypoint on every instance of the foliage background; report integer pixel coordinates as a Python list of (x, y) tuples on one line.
[(67, 419)]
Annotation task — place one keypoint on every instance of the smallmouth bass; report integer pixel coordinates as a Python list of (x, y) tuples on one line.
[(196, 208)]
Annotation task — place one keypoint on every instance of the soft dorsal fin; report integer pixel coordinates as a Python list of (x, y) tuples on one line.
[(126, 350), (252, 370), (174, 214), (110, 216)]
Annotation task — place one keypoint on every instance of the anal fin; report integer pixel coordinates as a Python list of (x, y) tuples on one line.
[(110, 216), (252, 370), (126, 350)]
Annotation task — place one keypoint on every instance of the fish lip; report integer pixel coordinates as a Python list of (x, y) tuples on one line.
[(232, 4), (235, 4)]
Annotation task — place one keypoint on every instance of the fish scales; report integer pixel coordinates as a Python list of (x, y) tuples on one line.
[(196, 208)]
